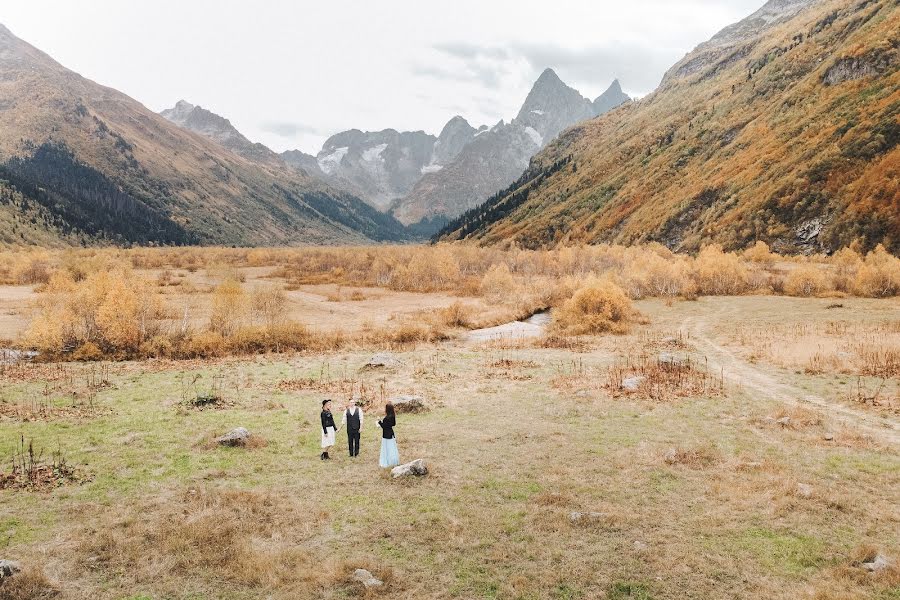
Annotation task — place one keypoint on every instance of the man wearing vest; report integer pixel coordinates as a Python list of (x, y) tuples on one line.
[(353, 419)]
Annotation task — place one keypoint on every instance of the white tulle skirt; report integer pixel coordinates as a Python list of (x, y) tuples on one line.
[(328, 438), (390, 456)]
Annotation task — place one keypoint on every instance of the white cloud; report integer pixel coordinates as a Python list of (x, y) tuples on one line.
[(290, 73)]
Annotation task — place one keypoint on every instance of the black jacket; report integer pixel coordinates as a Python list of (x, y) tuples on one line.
[(327, 421), (387, 427)]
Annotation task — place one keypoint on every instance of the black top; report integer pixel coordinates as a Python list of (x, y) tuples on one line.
[(387, 427), (327, 421)]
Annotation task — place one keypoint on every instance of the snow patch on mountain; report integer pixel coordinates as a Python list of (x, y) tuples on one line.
[(329, 163), (373, 153), (535, 137)]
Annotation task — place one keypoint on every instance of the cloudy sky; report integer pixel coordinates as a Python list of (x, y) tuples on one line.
[(291, 73)]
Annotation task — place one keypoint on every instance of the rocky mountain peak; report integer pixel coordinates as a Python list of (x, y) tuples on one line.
[(611, 98), (455, 135), (217, 128), (550, 107)]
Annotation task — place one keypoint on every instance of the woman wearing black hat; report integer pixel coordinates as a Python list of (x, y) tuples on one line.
[(328, 429)]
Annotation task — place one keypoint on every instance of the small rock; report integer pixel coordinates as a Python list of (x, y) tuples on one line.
[(416, 468), (8, 568), (383, 360), (876, 564), (829, 437), (409, 404), (582, 394), (784, 421), (582, 518), (633, 383), (366, 578), (640, 546), (672, 360), (235, 437), (804, 490), (671, 456)]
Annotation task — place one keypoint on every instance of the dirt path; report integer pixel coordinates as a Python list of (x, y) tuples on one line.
[(766, 384)]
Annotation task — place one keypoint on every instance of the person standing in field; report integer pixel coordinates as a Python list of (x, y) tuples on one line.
[(328, 429), (390, 456), (353, 420)]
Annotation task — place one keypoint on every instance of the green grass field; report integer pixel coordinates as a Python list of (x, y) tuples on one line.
[(694, 497)]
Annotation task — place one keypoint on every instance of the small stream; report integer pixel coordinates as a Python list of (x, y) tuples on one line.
[(531, 327)]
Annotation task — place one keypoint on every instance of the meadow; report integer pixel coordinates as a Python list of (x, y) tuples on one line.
[(718, 426)]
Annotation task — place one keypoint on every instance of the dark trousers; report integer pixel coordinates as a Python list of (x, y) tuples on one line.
[(353, 440)]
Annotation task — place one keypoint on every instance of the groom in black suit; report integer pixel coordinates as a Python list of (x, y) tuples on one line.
[(353, 419)]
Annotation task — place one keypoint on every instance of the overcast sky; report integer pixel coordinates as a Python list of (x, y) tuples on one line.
[(291, 73)]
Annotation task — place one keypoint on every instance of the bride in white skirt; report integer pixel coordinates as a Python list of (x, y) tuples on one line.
[(328, 429)]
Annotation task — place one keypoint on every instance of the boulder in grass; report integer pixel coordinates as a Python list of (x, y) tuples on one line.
[(585, 518), (632, 383), (8, 568), (416, 468), (236, 437), (409, 404), (366, 578), (877, 563), (383, 360)]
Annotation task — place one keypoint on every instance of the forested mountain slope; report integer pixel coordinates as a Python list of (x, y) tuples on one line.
[(783, 128), (95, 166)]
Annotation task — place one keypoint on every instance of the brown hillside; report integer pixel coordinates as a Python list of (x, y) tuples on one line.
[(782, 128), (113, 170)]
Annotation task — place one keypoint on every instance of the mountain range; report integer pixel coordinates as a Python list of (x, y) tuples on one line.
[(81, 163), (420, 178), (782, 128)]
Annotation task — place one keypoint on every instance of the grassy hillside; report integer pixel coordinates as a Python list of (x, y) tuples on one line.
[(781, 128), (105, 165)]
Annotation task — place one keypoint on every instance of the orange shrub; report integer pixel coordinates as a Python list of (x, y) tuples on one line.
[(879, 275), (807, 280), (599, 306), (719, 273)]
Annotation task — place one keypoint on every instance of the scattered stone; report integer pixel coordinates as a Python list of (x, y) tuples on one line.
[(235, 437), (640, 546), (633, 383), (672, 360), (584, 518), (829, 437), (366, 578), (409, 404), (877, 563), (8, 568), (804, 490), (416, 468), (582, 394), (784, 421), (671, 456), (383, 360)]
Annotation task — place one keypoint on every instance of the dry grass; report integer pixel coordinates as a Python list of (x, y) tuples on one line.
[(156, 302)]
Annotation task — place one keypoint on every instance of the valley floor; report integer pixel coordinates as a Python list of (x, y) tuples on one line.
[(754, 473)]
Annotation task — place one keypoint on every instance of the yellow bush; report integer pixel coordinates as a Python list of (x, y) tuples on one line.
[(807, 280), (498, 283), (719, 273), (115, 311), (598, 307), (760, 253), (229, 305), (878, 276)]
